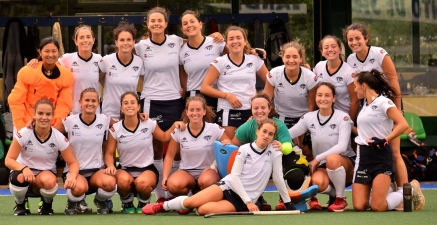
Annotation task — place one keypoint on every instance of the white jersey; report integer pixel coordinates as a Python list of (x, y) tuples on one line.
[(373, 60), (135, 148), (85, 73), (240, 80), (196, 61), (340, 79), (86, 140), (197, 152), (257, 169), (372, 121), (161, 81), (40, 155), (291, 98), (119, 79), (328, 135)]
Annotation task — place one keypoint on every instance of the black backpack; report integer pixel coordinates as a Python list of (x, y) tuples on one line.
[(277, 35)]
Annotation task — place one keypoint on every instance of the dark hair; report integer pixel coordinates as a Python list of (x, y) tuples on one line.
[(82, 27), (357, 26), (196, 14), (269, 103), (299, 47), (121, 102), (157, 9), (46, 41), (44, 102), (327, 84), (208, 117), (376, 81), (90, 89), (336, 39), (125, 27), (268, 121), (244, 32)]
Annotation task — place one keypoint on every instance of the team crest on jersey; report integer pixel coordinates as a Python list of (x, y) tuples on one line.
[(184, 140), (99, 126), (207, 137), (390, 102), (18, 134), (269, 75), (96, 64), (74, 64), (113, 67), (148, 49), (382, 51), (186, 55), (29, 142), (339, 79), (312, 126), (136, 68), (346, 118), (249, 65), (280, 85), (52, 145), (75, 126), (227, 67), (209, 47), (112, 129), (215, 61), (372, 61), (303, 86), (374, 107), (333, 126), (171, 45), (269, 152), (144, 130), (315, 78)]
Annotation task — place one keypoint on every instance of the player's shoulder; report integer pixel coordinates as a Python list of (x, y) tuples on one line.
[(341, 116), (24, 132), (307, 72), (377, 50), (320, 65), (173, 37), (96, 56), (309, 115)]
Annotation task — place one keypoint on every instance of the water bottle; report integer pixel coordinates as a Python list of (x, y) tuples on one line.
[(408, 197)]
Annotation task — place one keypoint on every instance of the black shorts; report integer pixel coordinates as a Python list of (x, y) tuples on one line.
[(135, 171), (165, 113), (209, 100), (233, 117), (352, 159), (87, 173), (232, 197), (372, 162), (289, 122)]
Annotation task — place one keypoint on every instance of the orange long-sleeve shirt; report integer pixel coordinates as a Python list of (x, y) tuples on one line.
[(32, 85)]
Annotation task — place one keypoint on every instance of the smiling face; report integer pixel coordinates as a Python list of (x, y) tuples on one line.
[(235, 41), (84, 39), (260, 109), (324, 97), (330, 49), (43, 115), (156, 23), (265, 134), (49, 54), (291, 58), (360, 89), (129, 105), (125, 42), (195, 111), (191, 26), (356, 41), (89, 102)]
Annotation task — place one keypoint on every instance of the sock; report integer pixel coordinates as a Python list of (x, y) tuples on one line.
[(394, 199), (159, 192), (143, 199), (73, 198), (49, 194), (128, 198), (103, 195), (338, 179), (175, 204), (19, 193), (329, 191)]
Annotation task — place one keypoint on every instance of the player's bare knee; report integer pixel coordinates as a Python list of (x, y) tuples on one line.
[(108, 184), (333, 161), (202, 210), (320, 182), (123, 183), (204, 183), (80, 189), (360, 207), (378, 207)]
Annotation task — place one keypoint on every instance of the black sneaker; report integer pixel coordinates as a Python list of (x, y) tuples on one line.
[(70, 208), (263, 205), (20, 209), (46, 209), (128, 208), (82, 207), (109, 205), (26, 204), (102, 208)]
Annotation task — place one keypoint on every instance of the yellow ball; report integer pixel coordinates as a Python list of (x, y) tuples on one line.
[(286, 148)]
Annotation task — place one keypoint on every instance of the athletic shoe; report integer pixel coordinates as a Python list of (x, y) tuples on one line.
[(262, 204), (46, 209), (40, 205), (109, 205), (128, 208), (313, 204), (161, 199), (82, 207), (26, 201), (152, 209), (20, 209), (140, 207), (339, 205), (102, 207), (280, 206), (70, 208), (418, 197), (184, 211), (330, 202)]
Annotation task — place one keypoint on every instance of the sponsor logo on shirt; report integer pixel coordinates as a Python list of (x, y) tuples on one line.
[(312, 126), (96, 64), (144, 130), (145, 55), (75, 126), (320, 75), (209, 47), (345, 118), (374, 107), (303, 86), (113, 67), (355, 65), (184, 140), (269, 75), (390, 102), (315, 78), (280, 85), (215, 61), (158, 119), (99, 126), (339, 79), (52, 145), (18, 135), (186, 55), (171, 45), (207, 137), (227, 67), (382, 51), (249, 65), (148, 49), (122, 136), (372, 61), (74, 64), (333, 126), (112, 129), (29, 142), (269, 152), (136, 68), (235, 115)]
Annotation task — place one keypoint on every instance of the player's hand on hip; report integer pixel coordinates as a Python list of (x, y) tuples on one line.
[(252, 207)]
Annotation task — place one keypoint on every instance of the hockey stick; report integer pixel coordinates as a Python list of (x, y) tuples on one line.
[(262, 213), (414, 140)]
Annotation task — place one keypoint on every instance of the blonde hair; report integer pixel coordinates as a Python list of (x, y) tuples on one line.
[(82, 27), (244, 32)]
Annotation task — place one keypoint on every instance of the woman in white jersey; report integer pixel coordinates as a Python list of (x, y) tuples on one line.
[(235, 74), (195, 144), (32, 159), (333, 165), (374, 169), (86, 132), (339, 73), (133, 140), (120, 71), (241, 188)]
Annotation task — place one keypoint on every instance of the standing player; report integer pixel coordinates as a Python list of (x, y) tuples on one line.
[(120, 71), (86, 132), (195, 144), (235, 74), (32, 159), (338, 73), (254, 164), (133, 140), (333, 165), (374, 169)]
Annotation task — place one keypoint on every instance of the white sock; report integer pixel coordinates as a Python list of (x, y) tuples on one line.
[(19, 193), (49, 194), (142, 199), (175, 204), (394, 199), (128, 198), (329, 191), (73, 198), (159, 192), (103, 195), (338, 179)]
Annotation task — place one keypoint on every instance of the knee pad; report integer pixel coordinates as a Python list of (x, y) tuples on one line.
[(294, 178), (13, 177)]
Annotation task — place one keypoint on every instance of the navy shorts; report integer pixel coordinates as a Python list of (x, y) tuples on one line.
[(87, 173), (289, 122), (135, 171), (232, 197), (165, 113), (232, 117), (372, 162)]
